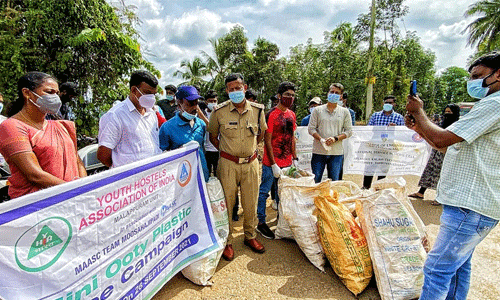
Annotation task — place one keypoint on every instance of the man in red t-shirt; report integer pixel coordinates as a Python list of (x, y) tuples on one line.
[(279, 149)]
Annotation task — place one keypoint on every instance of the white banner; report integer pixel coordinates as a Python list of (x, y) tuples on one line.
[(120, 234), (374, 150)]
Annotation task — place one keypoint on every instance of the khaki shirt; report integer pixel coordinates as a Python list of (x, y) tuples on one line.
[(329, 124), (237, 132)]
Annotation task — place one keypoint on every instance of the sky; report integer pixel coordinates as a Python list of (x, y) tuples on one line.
[(174, 30)]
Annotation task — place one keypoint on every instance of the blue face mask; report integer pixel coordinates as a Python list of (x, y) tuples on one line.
[(1, 106), (334, 98), (237, 96), (387, 107), (188, 116), (478, 88), (169, 97), (311, 109)]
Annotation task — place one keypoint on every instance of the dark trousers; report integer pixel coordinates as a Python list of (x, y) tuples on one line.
[(367, 181), (212, 161)]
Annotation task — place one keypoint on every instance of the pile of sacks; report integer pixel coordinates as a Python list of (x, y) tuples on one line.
[(360, 232)]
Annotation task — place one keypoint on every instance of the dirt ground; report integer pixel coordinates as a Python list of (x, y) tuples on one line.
[(283, 272)]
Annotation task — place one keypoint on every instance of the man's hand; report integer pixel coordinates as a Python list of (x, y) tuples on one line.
[(414, 105), (410, 122), (329, 141), (393, 124)]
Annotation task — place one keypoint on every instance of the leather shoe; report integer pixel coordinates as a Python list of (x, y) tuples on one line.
[(255, 245), (228, 253)]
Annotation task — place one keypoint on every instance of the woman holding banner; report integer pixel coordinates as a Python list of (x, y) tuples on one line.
[(430, 176), (41, 153)]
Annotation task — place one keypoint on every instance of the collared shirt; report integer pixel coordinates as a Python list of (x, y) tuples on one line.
[(305, 121), (380, 119), (329, 124), (470, 176), (237, 132), (208, 145), (177, 132), (129, 134)]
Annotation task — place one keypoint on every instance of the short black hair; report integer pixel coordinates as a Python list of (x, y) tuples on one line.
[(233, 77), (211, 94), (70, 88), (171, 87), (490, 60), (390, 97), (143, 76), (344, 95), (285, 86), (251, 94)]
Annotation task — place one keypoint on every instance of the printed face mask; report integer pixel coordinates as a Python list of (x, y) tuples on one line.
[(287, 101), (49, 103), (334, 98)]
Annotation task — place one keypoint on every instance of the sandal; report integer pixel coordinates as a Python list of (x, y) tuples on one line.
[(416, 195), (435, 203)]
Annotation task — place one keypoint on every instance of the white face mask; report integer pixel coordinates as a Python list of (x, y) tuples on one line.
[(211, 106), (147, 101)]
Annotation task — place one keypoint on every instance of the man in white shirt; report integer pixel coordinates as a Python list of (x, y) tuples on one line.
[(329, 125), (128, 132), (211, 153)]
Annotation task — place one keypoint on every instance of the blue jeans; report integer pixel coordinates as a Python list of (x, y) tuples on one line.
[(333, 165), (448, 265), (268, 180)]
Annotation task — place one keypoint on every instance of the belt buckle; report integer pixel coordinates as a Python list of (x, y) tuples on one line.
[(243, 160)]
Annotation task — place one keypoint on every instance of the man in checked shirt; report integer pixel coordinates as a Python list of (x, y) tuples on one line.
[(469, 185)]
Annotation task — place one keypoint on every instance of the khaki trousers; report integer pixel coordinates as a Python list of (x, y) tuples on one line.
[(232, 175)]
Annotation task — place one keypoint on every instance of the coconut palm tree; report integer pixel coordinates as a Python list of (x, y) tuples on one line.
[(193, 72), (485, 30)]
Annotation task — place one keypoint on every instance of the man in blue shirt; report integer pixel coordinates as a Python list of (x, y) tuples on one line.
[(185, 126), (316, 101), (352, 112), (386, 117)]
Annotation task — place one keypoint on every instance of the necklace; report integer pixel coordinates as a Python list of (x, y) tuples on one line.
[(30, 122)]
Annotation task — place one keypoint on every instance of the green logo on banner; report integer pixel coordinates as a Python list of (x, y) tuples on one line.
[(45, 240), (50, 237)]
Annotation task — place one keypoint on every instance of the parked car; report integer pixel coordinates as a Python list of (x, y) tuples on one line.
[(465, 107), (88, 155)]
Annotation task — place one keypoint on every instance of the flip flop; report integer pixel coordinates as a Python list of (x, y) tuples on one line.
[(415, 195)]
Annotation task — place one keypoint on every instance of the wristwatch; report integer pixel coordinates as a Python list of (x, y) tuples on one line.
[(336, 138)]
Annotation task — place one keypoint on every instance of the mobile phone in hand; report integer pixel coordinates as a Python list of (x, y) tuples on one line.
[(413, 88)]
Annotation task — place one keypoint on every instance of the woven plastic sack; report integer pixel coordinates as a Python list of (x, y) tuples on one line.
[(348, 193), (200, 271), (395, 239), (283, 230), (297, 206), (344, 243)]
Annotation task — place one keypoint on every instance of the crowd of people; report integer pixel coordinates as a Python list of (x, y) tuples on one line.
[(39, 144)]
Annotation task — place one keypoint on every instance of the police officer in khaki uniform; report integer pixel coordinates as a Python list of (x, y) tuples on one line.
[(236, 127)]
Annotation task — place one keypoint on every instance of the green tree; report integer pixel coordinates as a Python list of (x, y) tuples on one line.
[(86, 41), (451, 87), (193, 72), (485, 30)]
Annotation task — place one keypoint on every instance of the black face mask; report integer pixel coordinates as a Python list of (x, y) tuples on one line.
[(448, 119)]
